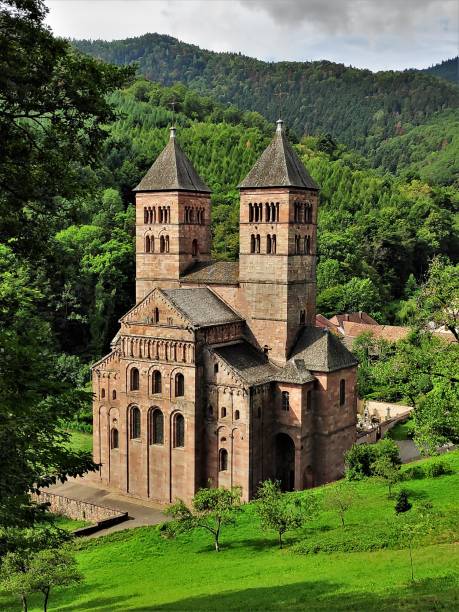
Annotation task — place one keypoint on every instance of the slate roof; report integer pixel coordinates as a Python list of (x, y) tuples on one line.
[(322, 351), (278, 166), (213, 273), (253, 365), (172, 171), (201, 306)]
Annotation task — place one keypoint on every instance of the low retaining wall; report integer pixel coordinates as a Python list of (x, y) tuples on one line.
[(101, 516), (380, 430)]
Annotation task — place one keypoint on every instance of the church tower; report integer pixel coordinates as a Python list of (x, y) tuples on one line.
[(172, 220), (278, 238)]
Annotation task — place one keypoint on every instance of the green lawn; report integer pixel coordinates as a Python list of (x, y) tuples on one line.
[(63, 522), (137, 570), (80, 441)]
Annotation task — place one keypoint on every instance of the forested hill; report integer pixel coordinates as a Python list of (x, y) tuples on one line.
[(448, 69), (374, 230), (358, 107)]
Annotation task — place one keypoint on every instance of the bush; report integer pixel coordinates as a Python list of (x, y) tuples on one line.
[(402, 503), (429, 470), (361, 458), (437, 468)]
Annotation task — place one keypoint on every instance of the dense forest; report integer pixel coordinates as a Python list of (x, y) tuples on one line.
[(358, 108), (448, 69), (376, 233)]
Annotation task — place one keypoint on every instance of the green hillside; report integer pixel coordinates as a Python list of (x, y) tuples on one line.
[(374, 230), (448, 69), (366, 567), (359, 108)]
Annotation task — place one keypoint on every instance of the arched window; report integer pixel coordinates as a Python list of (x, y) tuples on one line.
[(156, 383), (295, 211), (179, 431), (156, 315), (210, 410), (179, 385), (216, 368), (257, 243), (277, 211), (147, 244), (167, 244), (302, 317), (134, 379), (223, 460), (342, 391), (260, 207), (273, 212), (297, 244), (194, 248), (202, 216), (285, 401), (237, 415), (114, 438), (267, 212), (155, 426), (268, 243), (250, 212), (273, 244), (223, 412), (145, 215), (307, 245), (162, 244), (252, 243), (134, 423), (256, 211), (102, 393), (113, 394)]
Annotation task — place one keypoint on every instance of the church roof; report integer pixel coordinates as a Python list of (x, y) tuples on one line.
[(201, 306), (253, 365), (172, 171), (322, 351), (213, 273), (278, 166)]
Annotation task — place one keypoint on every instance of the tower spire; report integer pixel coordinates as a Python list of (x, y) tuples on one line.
[(280, 126)]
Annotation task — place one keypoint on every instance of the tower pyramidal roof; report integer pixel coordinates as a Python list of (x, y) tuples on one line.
[(172, 171), (279, 166)]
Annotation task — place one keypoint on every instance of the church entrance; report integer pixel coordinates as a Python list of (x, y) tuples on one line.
[(285, 461)]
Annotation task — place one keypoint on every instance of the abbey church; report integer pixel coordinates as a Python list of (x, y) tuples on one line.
[(218, 374)]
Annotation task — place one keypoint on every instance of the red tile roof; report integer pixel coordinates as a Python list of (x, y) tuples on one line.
[(353, 317)]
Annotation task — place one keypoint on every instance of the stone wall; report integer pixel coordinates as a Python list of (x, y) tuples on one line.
[(75, 508)]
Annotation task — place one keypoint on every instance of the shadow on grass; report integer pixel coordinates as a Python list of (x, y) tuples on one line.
[(97, 603), (428, 594)]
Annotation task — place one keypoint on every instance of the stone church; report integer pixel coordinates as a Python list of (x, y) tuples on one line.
[(218, 374)]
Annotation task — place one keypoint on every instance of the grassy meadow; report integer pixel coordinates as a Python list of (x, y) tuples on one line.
[(80, 441), (138, 570)]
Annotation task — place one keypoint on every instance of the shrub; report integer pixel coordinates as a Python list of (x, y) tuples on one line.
[(361, 458), (437, 468), (402, 503), (414, 472)]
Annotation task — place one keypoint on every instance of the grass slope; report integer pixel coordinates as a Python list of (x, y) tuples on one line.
[(137, 570), (80, 441)]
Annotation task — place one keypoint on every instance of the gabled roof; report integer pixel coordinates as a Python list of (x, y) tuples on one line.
[(254, 367), (353, 317), (322, 351), (251, 365), (201, 306), (213, 273), (172, 171), (391, 333), (278, 166)]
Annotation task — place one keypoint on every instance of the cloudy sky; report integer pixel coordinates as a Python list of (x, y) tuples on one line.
[(375, 34)]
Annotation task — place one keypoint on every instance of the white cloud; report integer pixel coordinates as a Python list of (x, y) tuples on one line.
[(376, 34)]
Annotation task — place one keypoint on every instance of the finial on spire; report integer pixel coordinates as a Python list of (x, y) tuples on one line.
[(280, 126), (173, 131)]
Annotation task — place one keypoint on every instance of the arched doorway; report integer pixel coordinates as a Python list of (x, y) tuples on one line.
[(285, 461)]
